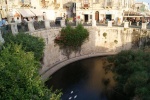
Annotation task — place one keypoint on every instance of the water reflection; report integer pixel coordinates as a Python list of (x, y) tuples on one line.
[(85, 80)]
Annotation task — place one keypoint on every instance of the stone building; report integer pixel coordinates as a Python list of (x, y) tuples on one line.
[(85, 10), (88, 10)]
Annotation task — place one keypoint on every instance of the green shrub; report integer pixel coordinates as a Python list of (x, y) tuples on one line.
[(19, 77), (71, 39), (29, 43), (132, 70)]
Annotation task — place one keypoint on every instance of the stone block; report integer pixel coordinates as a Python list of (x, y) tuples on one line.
[(137, 23), (144, 25), (109, 23), (14, 28), (93, 22), (31, 26), (1, 39), (62, 23), (126, 24), (47, 24)]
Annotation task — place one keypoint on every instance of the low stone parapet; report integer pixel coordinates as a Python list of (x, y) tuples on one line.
[(126, 24), (31, 26), (14, 28), (144, 25), (1, 39), (47, 24), (62, 23), (109, 23), (93, 22)]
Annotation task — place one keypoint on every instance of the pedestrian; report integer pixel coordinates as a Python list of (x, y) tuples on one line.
[(12, 20)]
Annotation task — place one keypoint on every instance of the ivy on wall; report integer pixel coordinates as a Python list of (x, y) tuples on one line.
[(71, 39)]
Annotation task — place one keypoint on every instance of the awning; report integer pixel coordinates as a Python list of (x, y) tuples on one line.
[(25, 12), (37, 12)]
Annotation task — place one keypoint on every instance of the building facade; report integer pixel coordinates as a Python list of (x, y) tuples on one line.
[(99, 10), (85, 10)]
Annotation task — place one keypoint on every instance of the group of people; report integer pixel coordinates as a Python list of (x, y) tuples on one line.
[(3, 25)]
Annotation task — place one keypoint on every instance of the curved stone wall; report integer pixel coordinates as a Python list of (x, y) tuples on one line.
[(102, 41)]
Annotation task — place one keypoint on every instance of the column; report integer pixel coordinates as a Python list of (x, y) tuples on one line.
[(144, 25), (62, 23), (126, 24), (47, 24), (31, 26), (1, 39), (109, 23), (93, 19), (14, 28)]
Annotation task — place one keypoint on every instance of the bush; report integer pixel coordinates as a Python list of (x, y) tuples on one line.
[(132, 70), (72, 38), (29, 43), (19, 77)]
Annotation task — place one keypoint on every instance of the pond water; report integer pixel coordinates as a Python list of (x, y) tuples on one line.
[(85, 80)]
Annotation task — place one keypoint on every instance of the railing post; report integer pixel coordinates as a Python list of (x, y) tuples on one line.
[(14, 28), (47, 24), (62, 23), (1, 39), (126, 24), (77, 22), (144, 25), (137, 23), (31, 26), (93, 22), (109, 23)]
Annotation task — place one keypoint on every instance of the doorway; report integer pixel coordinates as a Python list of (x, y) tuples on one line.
[(86, 18), (97, 16), (108, 17)]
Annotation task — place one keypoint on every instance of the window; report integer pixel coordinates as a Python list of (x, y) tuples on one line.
[(96, 1), (86, 1), (109, 2)]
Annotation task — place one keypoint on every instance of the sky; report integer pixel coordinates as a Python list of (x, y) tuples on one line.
[(148, 1)]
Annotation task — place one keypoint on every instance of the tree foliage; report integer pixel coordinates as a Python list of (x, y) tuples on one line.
[(29, 43), (19, 77), (132, 72), (71, 39)]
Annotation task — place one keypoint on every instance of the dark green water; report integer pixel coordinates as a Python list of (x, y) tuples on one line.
[(85, 80)]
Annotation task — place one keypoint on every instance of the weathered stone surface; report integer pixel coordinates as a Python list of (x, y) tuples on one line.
[(115, 40)]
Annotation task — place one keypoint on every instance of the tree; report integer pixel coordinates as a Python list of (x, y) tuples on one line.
[(132, 73), (71, 39), (19, 77), (29, 43)]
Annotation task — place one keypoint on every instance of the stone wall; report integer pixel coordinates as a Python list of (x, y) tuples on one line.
[(102, 41)]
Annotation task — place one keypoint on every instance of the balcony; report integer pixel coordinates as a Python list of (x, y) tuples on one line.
[(85, 6), (108, 5)]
